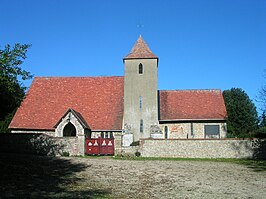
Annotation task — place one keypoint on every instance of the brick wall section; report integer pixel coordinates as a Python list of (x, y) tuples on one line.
[(200, 148)]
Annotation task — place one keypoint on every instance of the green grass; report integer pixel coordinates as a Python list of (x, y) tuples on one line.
[(135, 158), (96, 156), (257, 165), (176, 159)]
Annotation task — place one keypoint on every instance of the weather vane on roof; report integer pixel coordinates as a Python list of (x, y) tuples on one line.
[(140, 26)]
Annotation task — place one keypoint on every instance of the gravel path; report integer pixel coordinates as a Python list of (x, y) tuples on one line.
[(173, 179), (27, 176)]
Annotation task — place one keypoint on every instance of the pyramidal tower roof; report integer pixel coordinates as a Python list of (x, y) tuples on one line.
[(140, 50)]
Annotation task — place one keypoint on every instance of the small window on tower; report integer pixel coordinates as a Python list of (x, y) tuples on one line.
[(140, 102), (141, 126), (140, 68)]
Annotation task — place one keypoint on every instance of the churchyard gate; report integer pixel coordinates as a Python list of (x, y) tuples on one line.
[(100, 146)]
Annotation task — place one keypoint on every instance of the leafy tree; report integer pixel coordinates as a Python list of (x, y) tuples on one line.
[(11, 89), (263, 120), (261, 98), (261, 131), (242, 118), (262, 95)]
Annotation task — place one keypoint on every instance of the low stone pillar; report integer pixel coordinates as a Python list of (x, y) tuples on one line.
[(81, 144)]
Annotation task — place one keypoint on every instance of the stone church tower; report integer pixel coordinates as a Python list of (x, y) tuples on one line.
[(140, 92)]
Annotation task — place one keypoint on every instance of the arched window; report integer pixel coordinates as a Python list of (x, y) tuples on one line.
[(141, 126), (69, 130), (140, 68), (181, 129), (165, 132)]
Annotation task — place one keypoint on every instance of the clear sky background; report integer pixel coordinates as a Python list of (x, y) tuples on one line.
[(201, 44)]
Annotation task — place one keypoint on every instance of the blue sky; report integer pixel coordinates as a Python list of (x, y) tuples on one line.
[(201, 44)]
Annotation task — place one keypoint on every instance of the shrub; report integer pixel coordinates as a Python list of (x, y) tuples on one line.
[(136, 143), (65, 154)]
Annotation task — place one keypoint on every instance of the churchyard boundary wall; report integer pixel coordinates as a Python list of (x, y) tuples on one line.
[(204, 148), (40, 144)]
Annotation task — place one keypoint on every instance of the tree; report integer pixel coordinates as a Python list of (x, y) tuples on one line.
[(263, 120), (12, 90), (242, 118), (261, 131), (261, 98)]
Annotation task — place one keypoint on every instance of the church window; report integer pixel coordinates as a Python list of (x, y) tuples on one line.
[(192, 129), (107, 134), (212, 131), (69, 130), (141, 126), (140, 68), (140, 102), (111, 135), (165, 132)]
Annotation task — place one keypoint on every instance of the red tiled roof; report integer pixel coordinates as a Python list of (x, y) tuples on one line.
[(140, 50), (192, 105), (98, 99)]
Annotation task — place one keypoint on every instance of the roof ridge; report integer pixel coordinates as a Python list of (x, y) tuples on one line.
[(54, 77), (215, 89)]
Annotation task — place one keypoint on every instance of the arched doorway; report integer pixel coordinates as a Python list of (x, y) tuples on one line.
[(69, 130)]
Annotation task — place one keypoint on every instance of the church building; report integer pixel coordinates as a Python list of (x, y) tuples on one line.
[(130, 106)]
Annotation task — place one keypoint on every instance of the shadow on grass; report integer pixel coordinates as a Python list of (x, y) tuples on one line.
[(256, 147), (260, 149), (29, 176), (255, 165), (259, 164)]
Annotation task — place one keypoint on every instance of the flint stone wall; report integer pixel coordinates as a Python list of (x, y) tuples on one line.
[(128, 151), (41, 144), (202, 148), (49, 133), (190, 130)]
